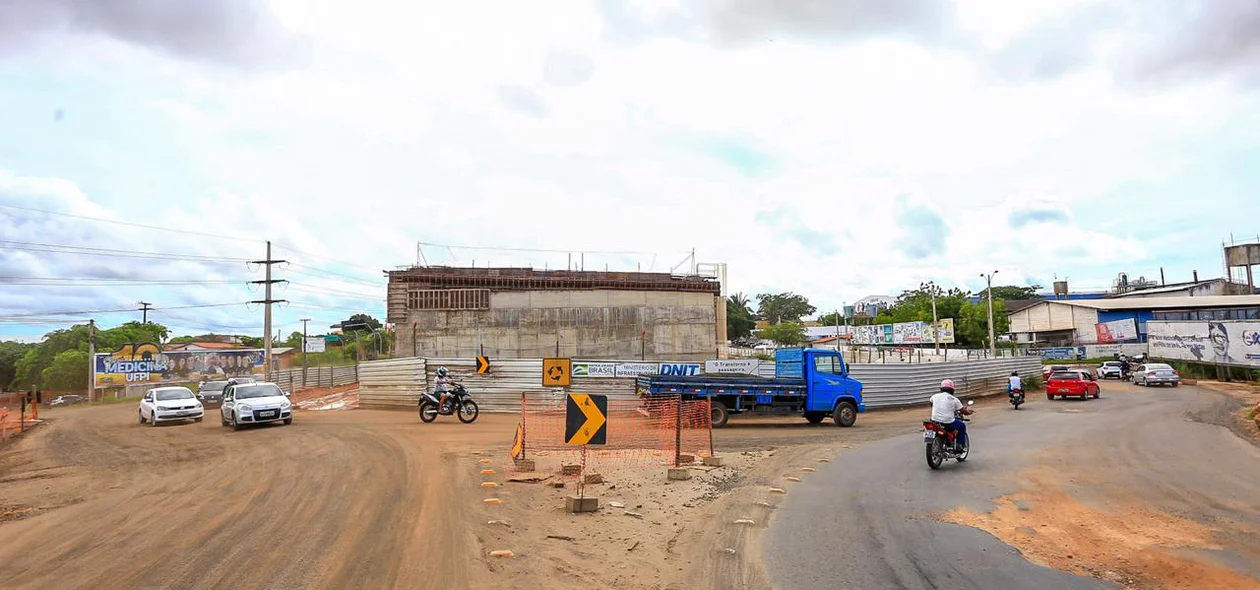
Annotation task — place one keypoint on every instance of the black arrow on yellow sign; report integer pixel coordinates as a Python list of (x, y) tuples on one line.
[(586, 419), (483, 365)]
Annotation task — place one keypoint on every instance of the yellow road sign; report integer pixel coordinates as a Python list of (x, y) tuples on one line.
[(518, 443), (586, 419), (483, 365), (556, 372)]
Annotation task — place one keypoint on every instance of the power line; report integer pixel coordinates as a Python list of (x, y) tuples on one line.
[(304, 288), (123, 310), (104, 282), (131, 224), (342, 262), (113, 253), (320, 273)]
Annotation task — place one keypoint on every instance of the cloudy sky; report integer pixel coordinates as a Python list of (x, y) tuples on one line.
[(838, 149)]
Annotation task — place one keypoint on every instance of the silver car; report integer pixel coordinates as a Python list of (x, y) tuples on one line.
[(1156, 374)]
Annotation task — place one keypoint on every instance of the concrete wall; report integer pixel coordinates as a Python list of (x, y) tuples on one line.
[(586, 324)]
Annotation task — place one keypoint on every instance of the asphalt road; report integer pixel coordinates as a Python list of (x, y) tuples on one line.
[(872, 518)]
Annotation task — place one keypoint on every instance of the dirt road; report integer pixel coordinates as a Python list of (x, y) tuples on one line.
[(367, 499)]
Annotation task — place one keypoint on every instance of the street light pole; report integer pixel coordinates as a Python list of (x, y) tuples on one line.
[(992, 343)]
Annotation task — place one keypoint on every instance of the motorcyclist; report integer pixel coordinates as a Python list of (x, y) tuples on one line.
[(1016, 384), (443, 386), (1124, 368), (944, 407)]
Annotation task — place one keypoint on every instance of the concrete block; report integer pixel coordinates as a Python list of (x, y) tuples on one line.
[(557, 484), (685, 459), (575, 504), (714, 461), (526, 465), (570, 470), (593, 478), (679, 473)]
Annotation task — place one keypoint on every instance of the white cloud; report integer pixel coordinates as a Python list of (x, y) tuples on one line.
[(806, 166)]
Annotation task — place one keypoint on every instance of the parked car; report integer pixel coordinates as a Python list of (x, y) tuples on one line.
[(1048, 369), (1072, 383), (254, 403), (170, 404), (1156, 374), (211, 392), (1110, 370), (66, 400)]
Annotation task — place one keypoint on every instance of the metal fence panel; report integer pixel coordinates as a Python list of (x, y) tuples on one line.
[(394, 383), (892, 385)]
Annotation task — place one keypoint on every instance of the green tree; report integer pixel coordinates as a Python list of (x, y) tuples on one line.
[(740, 321), (294, 340), (777, 308), (369, 323), (786, 334), (1011, 293), (971, 320), (251, 341), (832, 319), (10, 354), (68, 372)]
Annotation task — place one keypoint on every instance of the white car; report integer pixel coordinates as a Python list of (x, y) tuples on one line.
[(1109, 370), (255, 403), (168, 404)]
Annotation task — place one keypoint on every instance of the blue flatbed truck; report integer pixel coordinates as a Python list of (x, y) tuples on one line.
[(810, 382)]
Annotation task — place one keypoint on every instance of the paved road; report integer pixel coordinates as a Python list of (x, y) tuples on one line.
[(871, 518)]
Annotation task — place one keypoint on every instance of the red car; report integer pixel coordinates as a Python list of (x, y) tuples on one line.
[(1072, 384)]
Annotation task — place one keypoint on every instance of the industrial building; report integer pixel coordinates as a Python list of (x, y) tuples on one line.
[(1073, 322), (447, 312)]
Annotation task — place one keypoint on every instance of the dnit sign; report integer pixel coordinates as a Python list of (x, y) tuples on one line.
[(586, 419)]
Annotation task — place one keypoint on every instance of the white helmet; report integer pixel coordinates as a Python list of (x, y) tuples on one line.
[(441, 372)]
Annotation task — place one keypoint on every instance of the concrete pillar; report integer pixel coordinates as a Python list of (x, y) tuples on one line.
[(719, 306)]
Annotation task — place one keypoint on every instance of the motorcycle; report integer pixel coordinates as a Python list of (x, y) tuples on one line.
[(1016, 397), (941, 444), (458, 402)]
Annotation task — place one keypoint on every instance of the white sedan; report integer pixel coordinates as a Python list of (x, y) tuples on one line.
[(168, 404), (255, 403)]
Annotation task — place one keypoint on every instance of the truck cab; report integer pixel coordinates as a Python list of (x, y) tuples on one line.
[(811, 382)]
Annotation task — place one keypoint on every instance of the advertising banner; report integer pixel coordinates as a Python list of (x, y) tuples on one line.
[(681, 369), (1223, 343), (904, 333), (740, 366), (1117, 331), (314, 344), (637, 369), (147, 363), (601, 370)]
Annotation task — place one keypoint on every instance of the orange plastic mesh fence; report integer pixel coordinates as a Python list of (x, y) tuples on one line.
[(640, 432)]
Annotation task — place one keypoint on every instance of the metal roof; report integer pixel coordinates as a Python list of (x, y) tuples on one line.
[(1182, 302)]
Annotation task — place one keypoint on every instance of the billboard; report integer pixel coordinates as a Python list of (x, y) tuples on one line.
[(1117, 331), (1222, 343), (904, 333), (584, 369), (314, 344), (147, 363)]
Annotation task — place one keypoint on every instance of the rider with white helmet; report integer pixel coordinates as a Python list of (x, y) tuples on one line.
[(442, 386), (944, 405)]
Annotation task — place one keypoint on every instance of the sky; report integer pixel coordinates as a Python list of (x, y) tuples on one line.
[(836, 149)]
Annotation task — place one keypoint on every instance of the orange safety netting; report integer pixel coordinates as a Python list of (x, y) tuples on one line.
[(650, 431)]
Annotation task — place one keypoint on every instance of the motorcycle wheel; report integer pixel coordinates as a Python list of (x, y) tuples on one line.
[(428, 412), (935, 453), (965, 451), (467, 411)]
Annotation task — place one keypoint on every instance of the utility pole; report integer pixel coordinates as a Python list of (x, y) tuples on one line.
[(992, 343), (91, 359), (144, 309), (936, 331), (266, 301), (304, 320)]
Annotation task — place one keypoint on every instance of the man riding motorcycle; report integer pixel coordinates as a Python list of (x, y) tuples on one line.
[(443, 387), (944, 406), (1015, 389)]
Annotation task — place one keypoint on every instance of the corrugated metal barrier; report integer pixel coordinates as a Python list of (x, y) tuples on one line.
[(398, 382), (291, 379)]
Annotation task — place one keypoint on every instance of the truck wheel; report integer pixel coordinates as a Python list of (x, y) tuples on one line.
[(845, 414), (718, 415), (815, 417)]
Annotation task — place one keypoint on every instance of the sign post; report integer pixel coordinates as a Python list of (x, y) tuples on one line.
[(585, 423), (557, 372)]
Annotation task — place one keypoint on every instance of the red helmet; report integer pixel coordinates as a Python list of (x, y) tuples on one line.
[(947, 385)]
